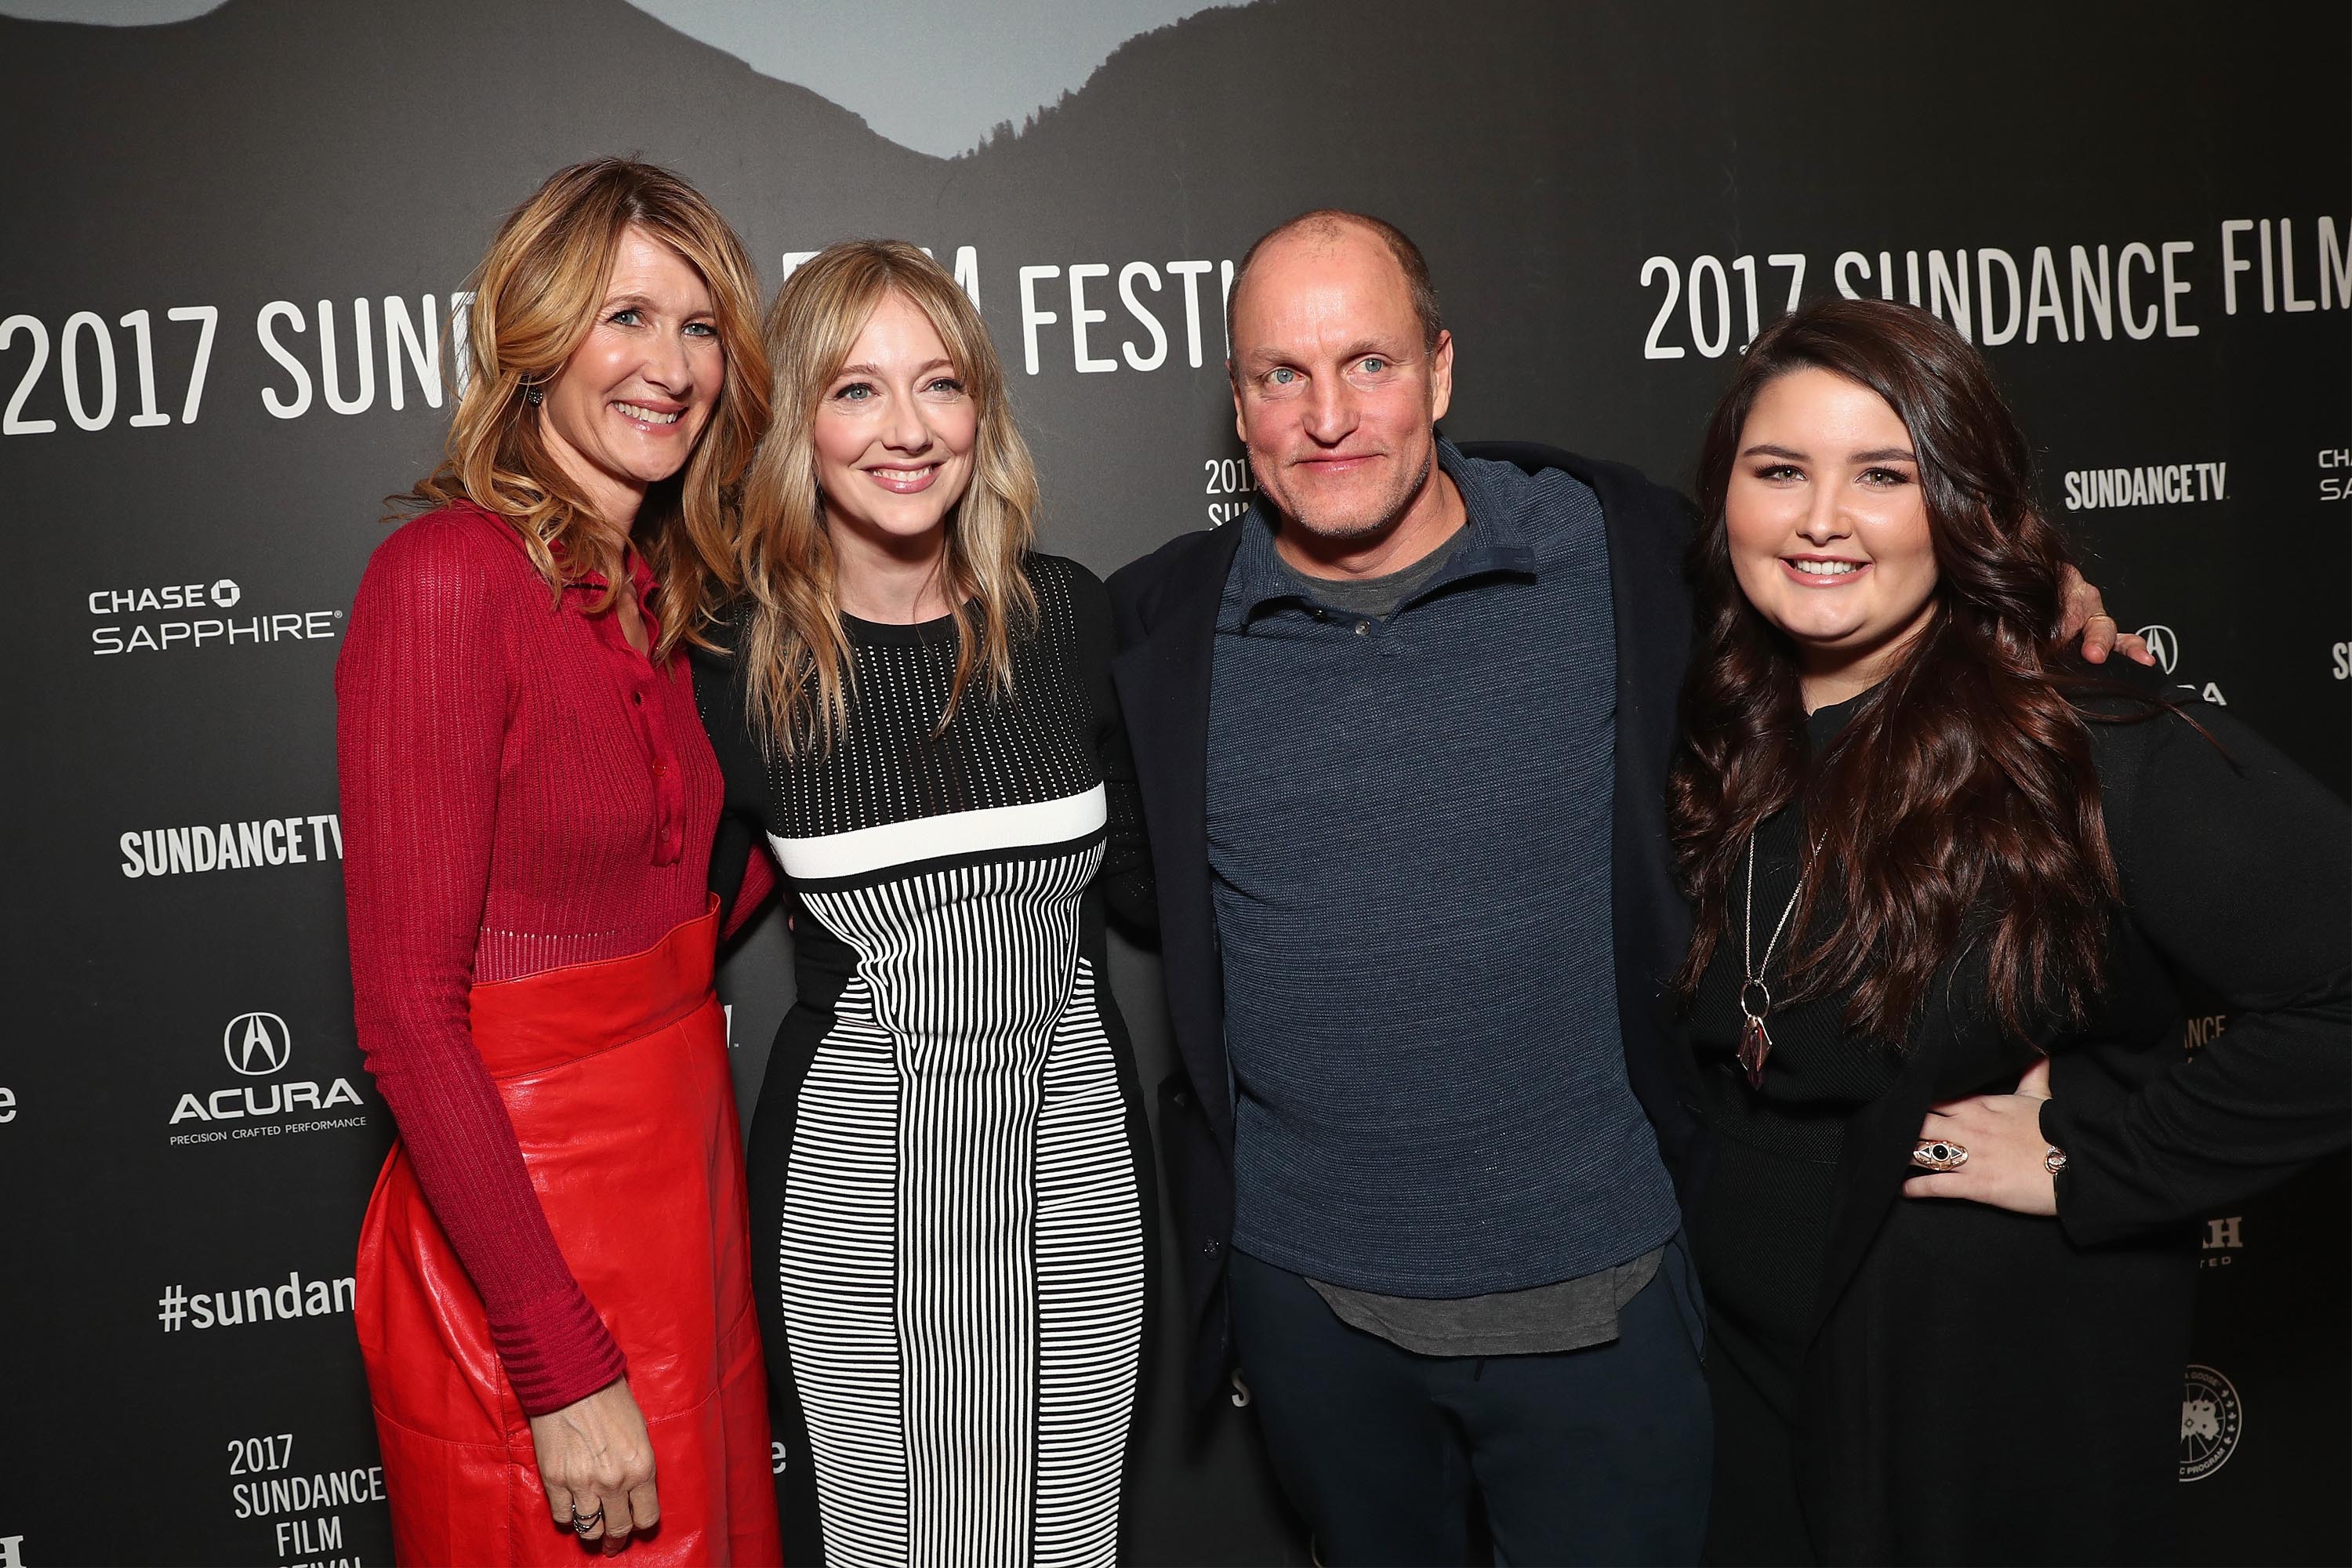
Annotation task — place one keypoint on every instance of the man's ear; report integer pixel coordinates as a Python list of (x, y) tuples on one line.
[(1441, 377), (1234, 385)]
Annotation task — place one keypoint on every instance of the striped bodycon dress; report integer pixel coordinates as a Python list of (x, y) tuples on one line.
[(947, 1161)]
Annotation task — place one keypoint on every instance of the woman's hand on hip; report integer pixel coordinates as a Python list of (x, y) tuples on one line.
[(2006, 1167), (597, 1463)]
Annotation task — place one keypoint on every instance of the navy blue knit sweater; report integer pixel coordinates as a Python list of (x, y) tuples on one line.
[(1408, 827)]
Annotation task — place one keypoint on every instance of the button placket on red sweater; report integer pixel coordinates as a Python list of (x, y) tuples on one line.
[(638, 680)]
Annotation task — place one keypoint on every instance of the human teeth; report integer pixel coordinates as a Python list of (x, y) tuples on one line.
[(904, 476), (647, 414), (1827, 568)]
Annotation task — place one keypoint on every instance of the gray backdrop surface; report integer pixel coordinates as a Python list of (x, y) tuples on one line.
[(235, 241)]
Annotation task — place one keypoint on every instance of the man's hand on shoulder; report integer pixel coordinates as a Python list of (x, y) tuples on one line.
[(2086, 614)]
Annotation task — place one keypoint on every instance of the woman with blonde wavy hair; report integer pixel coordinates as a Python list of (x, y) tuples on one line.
[(949, 1189), (554, 1301)]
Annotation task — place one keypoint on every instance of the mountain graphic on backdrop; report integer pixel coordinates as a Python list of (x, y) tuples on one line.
[(1014, 59)]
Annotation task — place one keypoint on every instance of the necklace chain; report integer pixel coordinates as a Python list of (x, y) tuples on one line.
[(1748, 926), (1755, 1041)]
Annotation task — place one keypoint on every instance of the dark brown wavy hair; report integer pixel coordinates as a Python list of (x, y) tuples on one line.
[(1958, 805)]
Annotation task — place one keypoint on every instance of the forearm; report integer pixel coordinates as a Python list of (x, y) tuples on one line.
[(469, 1164), (2234, 873), (2271, 1094)]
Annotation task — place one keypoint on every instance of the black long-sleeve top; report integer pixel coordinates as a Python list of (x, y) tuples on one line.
[(1921, 1338)]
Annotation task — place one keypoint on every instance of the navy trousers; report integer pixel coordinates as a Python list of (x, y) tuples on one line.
[(1600, 1455)]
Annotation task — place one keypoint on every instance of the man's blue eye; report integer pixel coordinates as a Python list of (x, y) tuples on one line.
[(1281, 377), (1375, 364)]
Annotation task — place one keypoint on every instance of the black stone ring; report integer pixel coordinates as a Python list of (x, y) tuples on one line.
[(1937, 1154)]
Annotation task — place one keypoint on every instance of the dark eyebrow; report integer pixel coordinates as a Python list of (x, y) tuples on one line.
[(1875, 455)]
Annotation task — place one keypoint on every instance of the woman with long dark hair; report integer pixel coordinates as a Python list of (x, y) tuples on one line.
[(1943, 881), (554, 1291)]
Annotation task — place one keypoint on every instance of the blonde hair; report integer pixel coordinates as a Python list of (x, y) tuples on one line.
[(795, 653), (537, 295)]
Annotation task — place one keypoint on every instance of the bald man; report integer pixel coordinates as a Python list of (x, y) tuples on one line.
[(1403, 730)]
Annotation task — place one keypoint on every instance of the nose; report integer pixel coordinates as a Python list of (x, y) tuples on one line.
[(667, 366), (1330, 416), (1823, 521), (903, 426)]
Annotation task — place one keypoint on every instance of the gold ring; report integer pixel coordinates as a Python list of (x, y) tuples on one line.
[(1938, 1154)]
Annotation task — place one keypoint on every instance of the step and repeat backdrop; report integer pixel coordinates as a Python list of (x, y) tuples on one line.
[(237, 242)]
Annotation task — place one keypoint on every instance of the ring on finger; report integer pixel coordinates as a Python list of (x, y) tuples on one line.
[(1939, 1155), (583, 1523)]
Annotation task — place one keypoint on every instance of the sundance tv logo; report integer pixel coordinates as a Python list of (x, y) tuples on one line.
[(231, 845), (190, 616), (2153, 484), (260, 1045)]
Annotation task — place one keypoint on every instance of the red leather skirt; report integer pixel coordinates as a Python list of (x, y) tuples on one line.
[(616, 1076)]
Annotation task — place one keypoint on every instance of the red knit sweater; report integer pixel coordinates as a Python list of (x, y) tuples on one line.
[(521, 790)]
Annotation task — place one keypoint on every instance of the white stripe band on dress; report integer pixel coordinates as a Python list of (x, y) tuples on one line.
[(909, 843)]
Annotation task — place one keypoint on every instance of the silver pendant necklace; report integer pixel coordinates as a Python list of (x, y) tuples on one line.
[(1755, 996)]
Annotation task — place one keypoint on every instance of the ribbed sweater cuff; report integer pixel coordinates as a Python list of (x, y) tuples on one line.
[(556, 1350)]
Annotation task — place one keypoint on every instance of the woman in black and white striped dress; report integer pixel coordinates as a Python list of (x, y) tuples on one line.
[(948, 1162)]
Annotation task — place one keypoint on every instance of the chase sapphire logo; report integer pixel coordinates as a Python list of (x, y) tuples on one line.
[(257, 1044)]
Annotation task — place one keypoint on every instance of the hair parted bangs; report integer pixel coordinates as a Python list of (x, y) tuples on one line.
[(537, 295), (795, 653), (1958, 808)]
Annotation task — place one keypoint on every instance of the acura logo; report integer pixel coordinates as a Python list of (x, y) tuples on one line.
[(2162, 645), (257, 1044)]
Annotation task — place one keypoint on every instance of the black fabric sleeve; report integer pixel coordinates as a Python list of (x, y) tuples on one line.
[(1126, 878), (744, 814), (2237, 868)]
